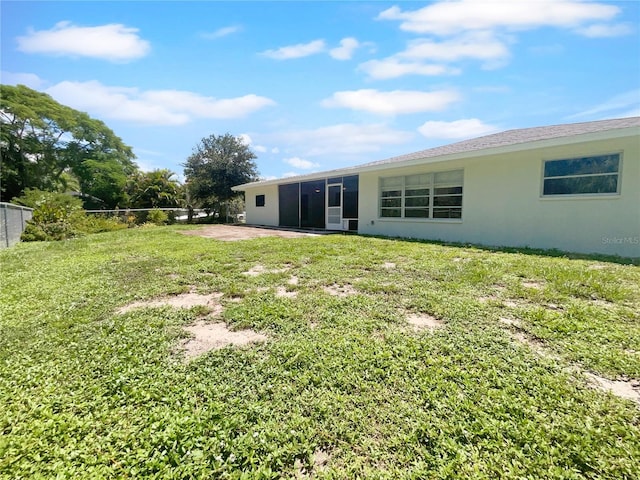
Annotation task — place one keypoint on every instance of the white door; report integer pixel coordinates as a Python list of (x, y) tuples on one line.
[(334, 207)]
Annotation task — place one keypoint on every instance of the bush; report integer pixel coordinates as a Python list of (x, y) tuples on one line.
[(56, 216), (157, 217)]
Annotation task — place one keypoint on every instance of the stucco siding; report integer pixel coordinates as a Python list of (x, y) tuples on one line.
[(267, 215), (503, 204)]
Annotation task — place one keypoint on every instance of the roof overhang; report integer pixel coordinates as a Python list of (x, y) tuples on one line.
[(485, 152)]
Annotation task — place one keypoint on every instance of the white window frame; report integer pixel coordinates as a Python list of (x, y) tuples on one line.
[(403, 186), (581, 195)]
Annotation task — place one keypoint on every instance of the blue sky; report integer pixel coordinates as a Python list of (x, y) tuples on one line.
[(321, 85)]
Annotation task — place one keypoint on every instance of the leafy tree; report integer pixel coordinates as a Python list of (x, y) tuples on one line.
[(45, 144), (217, 164), (154, 189)]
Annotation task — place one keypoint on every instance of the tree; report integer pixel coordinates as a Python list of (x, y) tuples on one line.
[(217, 164), (155, 189), (44, 144)]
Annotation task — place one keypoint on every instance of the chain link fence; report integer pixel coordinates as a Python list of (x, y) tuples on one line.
[(13, 220)]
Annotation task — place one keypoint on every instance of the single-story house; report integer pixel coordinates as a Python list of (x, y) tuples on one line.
[(573, 187)]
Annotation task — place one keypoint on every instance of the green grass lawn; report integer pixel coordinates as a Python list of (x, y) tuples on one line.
[(86, 392)]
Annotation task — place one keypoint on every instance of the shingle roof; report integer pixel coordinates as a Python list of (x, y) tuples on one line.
[(496, 140), (514, 137)]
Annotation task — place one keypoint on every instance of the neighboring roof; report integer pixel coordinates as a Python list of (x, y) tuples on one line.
[(507, 138)]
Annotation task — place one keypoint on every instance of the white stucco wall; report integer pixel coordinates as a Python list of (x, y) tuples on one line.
[(503, 205), (267, 215)]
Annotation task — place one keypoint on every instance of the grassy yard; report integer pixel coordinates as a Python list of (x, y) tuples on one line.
[(343, 388)]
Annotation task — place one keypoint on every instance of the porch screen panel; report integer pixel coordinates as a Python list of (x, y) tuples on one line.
[(312, 204), (288, 205), (350, 197)]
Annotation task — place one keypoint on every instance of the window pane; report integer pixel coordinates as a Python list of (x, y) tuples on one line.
[(391, 182), (391, 202), (392, 193), (578, 185), (447, 213), (448, 191), (422, 179), (334, 180), (417, 192), (453, 201), (390, 212), (416, 213), (416, 202), (454, 177), (335, 192), (582, 166), (260, 200)]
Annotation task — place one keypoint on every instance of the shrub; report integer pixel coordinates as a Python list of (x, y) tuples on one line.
[(157, 217), (56, 216)]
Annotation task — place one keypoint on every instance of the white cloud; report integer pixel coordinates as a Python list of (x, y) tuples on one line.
[(393, 68), (626, 104), (394, 102), (445, 18), (114, 42), (477, 45), (275, 150), (222, 32), (260, 148), (30, 80), (298, 162), (343, 139), (245, 138), (603, 30), (290, 174), (346, 49), (296, 51), (152, 107), (459, 129)]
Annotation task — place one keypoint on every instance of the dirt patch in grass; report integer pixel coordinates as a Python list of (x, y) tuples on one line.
[(213, 336), (629, 389), (239, 232), (261, 269), (534, 343), (511, 322), (424, 321), (533, 284), (282, 292), (389, 265), (184, 300), (293, 280), (320, 460), (340, 290)]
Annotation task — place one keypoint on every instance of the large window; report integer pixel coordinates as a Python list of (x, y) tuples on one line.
[(425, 195), (582, 176), (260, 200)]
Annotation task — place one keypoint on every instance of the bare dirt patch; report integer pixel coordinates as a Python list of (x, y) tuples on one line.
[(213, 336), (340, 290), (320, 460), (424, 321), (533, 284), (389, 265), (284, 293), (260, 269), (240, 232), (511, 322), (184, 300), (629, 389), (293, 280)]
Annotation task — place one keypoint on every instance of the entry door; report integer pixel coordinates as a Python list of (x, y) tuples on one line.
[(334, 207)]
